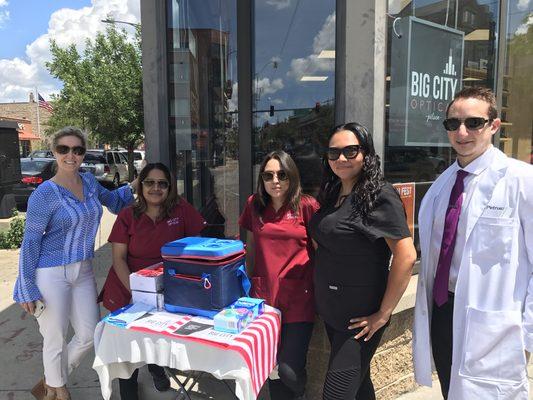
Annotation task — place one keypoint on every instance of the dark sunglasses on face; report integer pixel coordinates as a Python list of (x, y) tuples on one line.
[(149, 183), (269, 176), (452, 124), (77, 150), (348, 152)]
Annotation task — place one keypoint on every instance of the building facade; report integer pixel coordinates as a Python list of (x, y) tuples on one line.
[(227, 81), (32, 120)]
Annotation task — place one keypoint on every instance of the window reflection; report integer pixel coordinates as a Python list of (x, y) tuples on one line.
[(516, 138), (478, 19), (203, 107), (293, 82)]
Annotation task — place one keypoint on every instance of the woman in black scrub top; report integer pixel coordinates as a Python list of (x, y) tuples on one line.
[(361, 223)]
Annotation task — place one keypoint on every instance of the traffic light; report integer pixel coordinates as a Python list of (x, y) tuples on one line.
[(317, 107), (271, 113)]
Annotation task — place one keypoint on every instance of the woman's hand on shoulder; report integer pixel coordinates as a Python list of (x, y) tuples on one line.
[(370, 324)]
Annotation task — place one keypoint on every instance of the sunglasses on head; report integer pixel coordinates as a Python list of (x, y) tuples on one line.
[(452, 124), (76, 150), (268, 176), (150, 183), (349, 152)]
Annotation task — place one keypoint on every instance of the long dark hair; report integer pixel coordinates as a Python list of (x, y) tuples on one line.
[(294, 193), (140, 206), (370, 181)]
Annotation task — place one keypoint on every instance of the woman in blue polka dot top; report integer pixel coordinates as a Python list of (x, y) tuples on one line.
[(55, 260)]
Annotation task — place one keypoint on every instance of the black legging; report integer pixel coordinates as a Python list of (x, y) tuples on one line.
[(292, 357), (128, 387), (348, 375)]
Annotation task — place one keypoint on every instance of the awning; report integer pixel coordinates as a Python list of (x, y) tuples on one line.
[(24, 135)]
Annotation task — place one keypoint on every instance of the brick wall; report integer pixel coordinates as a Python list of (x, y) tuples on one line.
[(27, 110)]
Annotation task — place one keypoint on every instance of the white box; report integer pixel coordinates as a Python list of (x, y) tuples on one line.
[(149, 279), (150, 298)]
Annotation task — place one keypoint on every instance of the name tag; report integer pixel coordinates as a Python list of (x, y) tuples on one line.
[(493, 211)]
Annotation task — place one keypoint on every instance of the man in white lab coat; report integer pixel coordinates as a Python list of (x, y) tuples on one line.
[(474, 304)]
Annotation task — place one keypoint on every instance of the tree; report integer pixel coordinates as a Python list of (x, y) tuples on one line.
[(102, 89)]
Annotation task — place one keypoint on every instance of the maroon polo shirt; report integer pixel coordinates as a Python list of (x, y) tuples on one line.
[(283, 271), (145, 238)]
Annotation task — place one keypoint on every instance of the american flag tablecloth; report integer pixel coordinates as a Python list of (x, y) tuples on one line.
[(257, 344)]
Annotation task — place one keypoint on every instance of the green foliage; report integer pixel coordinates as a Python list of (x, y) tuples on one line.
[(12, 238), (102, 88)]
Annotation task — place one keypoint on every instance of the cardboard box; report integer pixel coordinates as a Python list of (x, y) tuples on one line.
[(256, 306), (153, 299), (232, 320), (149, 279)]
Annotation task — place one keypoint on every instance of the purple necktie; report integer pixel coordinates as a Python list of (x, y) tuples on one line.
[(440, 286)]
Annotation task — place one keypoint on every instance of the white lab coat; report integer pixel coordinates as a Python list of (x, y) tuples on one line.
[(493, 306)]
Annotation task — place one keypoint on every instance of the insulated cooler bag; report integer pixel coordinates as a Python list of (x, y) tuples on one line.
[(203, 275)]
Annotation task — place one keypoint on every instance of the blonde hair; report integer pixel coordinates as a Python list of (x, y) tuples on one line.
[(69, 131)]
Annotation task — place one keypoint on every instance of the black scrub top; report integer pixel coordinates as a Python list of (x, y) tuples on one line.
[(352, 259)]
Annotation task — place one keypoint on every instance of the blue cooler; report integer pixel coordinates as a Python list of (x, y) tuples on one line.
[(203, 275)]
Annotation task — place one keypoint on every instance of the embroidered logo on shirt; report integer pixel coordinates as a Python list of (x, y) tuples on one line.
[(291, 215), (173, 221)]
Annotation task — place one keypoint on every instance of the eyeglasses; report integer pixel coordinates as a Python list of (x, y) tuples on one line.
[(76, 150), (268, 176), (452, 124), (349, 152), (150, 183)]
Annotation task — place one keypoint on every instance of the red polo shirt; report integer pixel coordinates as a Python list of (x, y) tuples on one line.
[(145, 238), (283, 272)]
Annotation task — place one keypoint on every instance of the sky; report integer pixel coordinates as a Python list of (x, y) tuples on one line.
[(26, 28)]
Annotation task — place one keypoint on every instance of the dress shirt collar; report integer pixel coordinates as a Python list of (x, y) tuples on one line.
[(480, 164)]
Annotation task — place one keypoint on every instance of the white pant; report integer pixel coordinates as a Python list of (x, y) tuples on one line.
[(69, 294)]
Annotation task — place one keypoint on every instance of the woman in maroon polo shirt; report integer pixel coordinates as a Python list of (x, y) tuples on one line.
[(158, 216), (278, 260)]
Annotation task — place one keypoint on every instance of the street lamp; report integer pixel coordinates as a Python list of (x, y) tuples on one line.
[(113, 21)]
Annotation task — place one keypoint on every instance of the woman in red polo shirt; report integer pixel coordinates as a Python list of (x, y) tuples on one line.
[(158, 216), (279, 261)]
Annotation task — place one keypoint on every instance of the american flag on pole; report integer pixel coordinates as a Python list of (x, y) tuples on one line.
[(44, 104)]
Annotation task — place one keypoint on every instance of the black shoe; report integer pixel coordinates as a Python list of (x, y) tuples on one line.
[(161, 382)]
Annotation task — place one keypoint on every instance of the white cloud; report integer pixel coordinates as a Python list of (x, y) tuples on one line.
[(4, 14), (279, 4), (522, 29), (266, 86), (310, 65), (523, 5), (19, 76)]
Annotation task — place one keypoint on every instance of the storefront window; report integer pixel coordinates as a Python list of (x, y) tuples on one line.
[(516, 136), (424, 74), (202, 60), (293, 82)]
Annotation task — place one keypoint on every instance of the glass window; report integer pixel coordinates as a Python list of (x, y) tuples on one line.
[(294, 82), (202, 59), (421, 163), (516, 136), (110, 159)]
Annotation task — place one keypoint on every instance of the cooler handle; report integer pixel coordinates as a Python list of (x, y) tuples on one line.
[(245, 281)]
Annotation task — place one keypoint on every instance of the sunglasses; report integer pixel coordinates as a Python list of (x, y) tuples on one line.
[(76, 150), (452, 124), (349, 152), (149, 183), (268, 176)]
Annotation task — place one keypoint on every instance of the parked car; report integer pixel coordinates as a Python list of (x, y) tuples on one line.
[(108, 166), (41, 154), (138, 157), (34, 172)]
